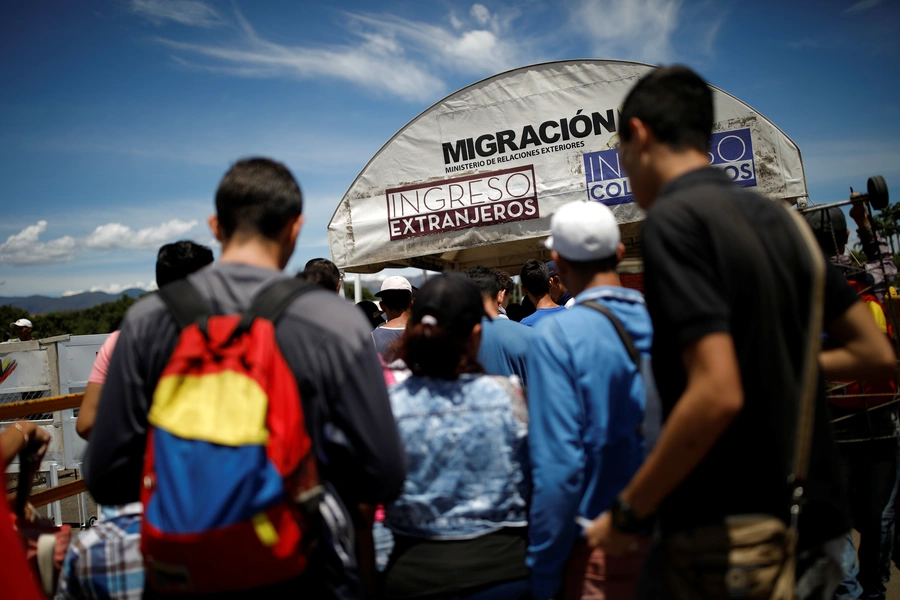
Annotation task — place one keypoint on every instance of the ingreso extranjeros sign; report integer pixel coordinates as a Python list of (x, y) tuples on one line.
[(490, 163)]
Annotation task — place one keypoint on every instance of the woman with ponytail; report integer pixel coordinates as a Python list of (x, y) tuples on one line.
[(460, 526)]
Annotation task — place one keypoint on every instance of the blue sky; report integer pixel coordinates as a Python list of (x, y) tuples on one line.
[(118, 118)]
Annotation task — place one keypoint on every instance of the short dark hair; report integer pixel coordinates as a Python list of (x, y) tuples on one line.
[(372, 312), (396, 299), (486, 280), (179, 259), (320, 275), (257, 196), (535, 277), (325, 263), (506, 282), (676, 104), (323, 272), (829, 227)]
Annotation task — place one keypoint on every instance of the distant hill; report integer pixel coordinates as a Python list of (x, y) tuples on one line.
[(39, 305)]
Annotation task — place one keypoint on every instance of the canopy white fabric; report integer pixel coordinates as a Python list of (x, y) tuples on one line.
[(475, 178)]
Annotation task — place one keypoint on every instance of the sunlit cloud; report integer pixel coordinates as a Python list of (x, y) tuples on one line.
[(385, 54), (115, 288), (186, 12), (115, 235), (639, 29), (26, 249)]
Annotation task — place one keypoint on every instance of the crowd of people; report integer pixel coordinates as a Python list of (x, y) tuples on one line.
[(593, 442)]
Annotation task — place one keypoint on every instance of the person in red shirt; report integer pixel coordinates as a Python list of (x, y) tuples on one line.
[(16, 578)]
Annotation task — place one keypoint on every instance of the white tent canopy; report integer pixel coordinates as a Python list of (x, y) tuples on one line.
[(475, 178)]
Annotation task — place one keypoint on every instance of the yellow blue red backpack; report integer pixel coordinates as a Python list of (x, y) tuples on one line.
[(230, 487)]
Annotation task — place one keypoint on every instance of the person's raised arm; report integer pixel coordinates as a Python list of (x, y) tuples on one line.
[(114, 459), (87, 413), (863, 351), (20, 435)]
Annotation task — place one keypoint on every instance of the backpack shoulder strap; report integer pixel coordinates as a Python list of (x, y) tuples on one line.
[(626, 338), (276, 297), (271, 301), (185, 303)]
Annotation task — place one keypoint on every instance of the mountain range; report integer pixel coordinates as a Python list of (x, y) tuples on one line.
[(39, 305)]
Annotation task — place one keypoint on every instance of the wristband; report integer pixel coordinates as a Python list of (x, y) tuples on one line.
[(22, 430), (624, 519)]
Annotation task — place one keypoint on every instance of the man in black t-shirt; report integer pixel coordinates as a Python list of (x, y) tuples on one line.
[(728, 288)]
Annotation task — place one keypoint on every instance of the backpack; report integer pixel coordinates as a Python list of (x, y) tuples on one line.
[(230, 487), (652, 425)]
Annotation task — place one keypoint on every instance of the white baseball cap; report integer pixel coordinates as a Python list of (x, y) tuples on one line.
[(21, 323), (583, 231), (395, 282)]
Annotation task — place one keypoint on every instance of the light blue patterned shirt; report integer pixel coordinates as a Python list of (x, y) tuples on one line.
[(466, 447)]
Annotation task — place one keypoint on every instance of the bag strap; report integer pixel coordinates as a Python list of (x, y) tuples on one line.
[(626, 338), (185, 303), (785, 585), (271, 301), (810, 377)]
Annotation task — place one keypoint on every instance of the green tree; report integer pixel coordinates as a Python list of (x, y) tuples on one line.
[(103, 318), (350, 289), (10, 314)]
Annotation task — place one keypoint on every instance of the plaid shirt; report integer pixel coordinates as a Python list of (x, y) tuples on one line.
[(105, 561)]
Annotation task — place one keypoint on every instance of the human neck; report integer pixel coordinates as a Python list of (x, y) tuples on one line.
[(544, 301), (491, 306), (253, 251), (672, 164), (396, 320), (606, 278)]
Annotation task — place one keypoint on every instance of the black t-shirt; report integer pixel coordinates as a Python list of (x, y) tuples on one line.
[(720, 258)]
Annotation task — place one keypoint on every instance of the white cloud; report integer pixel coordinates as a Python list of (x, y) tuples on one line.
[(387, 54), (634, 29), (861, 6), (116, 235), (26, 249), (488, 49), (23, 248), (115, 288), (481, 14), (185, 12)]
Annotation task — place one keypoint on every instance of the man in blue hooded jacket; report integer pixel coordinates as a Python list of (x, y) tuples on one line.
[(586, 401)]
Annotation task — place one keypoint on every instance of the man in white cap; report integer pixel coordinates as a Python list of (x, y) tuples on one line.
[(395, 300), (22, 329), (586, 400)]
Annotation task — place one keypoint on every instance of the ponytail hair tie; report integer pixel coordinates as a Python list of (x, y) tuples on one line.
[(429, 320)]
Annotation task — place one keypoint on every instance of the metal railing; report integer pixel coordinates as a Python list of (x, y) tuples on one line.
[(44, 409)]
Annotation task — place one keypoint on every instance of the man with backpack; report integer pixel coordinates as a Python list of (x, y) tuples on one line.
[(247, 411), (586, 402)]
